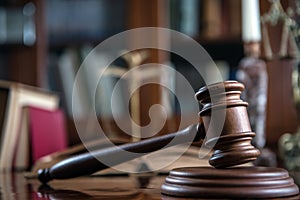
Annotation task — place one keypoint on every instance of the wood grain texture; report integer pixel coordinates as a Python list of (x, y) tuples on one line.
[(240, 183)]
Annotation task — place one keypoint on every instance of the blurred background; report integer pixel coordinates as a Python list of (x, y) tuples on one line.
[(44, 42)]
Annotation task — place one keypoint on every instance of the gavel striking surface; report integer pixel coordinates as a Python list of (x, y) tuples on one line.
[(236, 183)]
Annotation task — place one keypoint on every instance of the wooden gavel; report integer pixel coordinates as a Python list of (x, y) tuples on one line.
[(232, 144)]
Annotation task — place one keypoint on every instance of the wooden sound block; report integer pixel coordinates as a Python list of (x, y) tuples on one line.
[(238, 182)]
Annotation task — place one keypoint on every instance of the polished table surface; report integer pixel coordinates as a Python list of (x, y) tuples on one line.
[(14, 186)]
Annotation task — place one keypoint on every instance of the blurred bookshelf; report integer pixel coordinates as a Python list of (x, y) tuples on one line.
[(59, 24), (63, 28)]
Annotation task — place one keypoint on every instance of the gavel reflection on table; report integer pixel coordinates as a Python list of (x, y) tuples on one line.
[(229, 135)]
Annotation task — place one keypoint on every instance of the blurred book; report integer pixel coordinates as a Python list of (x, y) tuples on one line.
[(212, 19), (42, 132), (47, 131), (221, 19), (13, 97), (67, 66), (84, 21), (185, 16)]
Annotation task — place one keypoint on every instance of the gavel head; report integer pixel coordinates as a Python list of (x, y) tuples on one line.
[(221, 105)]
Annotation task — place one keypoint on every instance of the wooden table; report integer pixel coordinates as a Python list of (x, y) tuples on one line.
[(14, 186)]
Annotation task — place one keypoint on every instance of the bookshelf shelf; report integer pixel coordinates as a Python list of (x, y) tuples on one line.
[(57, 27)]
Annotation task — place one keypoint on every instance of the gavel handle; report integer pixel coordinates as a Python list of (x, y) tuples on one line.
[(89, 163)]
